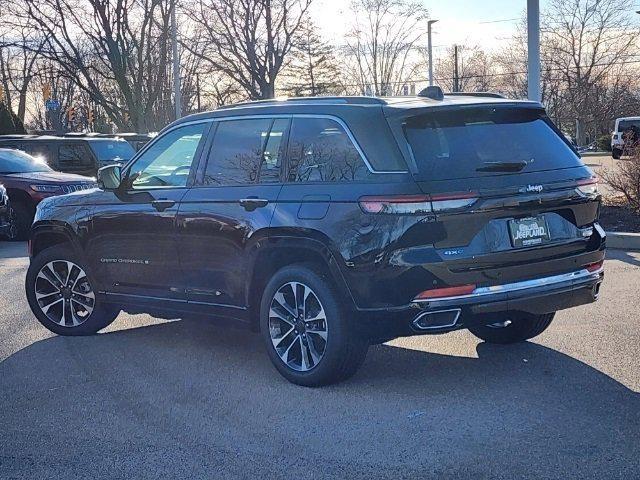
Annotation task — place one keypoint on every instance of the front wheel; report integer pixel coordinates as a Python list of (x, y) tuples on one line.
[(616, 154), (307, 332), (517, 327), (61, 294)]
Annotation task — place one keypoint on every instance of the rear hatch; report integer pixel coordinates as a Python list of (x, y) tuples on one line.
[(506, 187)]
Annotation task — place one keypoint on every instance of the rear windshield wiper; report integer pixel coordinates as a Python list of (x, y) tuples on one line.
[(502, 166)]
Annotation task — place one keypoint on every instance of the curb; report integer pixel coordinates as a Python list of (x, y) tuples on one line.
[(595, 154), (623, 240)]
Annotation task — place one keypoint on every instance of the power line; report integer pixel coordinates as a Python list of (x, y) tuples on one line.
[(500, 21)]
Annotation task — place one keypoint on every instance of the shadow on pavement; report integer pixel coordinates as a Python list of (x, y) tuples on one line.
[(632, 258), (10, 249), (187, 398)]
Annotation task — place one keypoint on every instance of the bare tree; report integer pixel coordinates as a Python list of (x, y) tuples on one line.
[(382, 41), (20, 49), (476, 72), (247, 40), (584, 41), (115, 50)]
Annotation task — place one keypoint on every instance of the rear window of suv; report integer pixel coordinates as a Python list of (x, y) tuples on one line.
[(465, 143)]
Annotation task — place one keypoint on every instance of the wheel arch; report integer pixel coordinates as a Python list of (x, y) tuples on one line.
[(282, 251), (49, 234)]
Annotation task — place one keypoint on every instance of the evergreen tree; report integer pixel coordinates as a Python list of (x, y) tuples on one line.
[(314, 70), (9, 122)]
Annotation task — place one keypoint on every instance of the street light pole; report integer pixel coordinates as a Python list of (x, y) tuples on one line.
[(533, 50), (430, 50), (176, 62)]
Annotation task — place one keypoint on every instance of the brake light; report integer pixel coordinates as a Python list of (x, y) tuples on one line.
[(446, 292), (417, 204), (399, 204), (588, 186), (594, 267)]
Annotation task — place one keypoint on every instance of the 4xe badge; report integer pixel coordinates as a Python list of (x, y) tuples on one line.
[(531, 189)]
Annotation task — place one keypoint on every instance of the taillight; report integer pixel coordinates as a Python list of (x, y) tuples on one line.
[(446, 292), (588, 186), (594, 267), (450, 201), (399, 204), (417, 204)]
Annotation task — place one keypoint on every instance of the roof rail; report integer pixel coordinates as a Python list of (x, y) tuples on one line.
[(475, 94), (354, 100)]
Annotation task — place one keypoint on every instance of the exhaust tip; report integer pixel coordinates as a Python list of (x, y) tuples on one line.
[(437, 320)]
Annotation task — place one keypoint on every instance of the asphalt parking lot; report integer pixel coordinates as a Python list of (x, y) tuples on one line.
[(187, 399)]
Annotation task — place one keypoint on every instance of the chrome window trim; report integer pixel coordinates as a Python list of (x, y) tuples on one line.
[(518, 286), (336, 119)]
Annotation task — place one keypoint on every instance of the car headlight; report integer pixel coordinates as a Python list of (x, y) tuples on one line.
[(45, 188)]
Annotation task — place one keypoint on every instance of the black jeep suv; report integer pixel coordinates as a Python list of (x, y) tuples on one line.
[(330, 224)]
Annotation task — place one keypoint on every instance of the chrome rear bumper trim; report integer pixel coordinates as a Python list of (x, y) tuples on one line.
[(578, 275)]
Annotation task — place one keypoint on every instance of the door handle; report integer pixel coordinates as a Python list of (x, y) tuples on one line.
[(163, 204), (251, 203)]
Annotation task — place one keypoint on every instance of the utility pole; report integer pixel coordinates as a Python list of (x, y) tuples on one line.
[(177, 96), (198, 91), (456, 81), (533, 50), (430, 50)]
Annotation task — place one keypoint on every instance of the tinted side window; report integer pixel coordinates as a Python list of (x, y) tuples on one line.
[(167, 162), (237, 152), (321, 151), (74, 156)]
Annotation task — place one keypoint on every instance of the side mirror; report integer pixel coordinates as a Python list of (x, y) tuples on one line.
[(110, 177)]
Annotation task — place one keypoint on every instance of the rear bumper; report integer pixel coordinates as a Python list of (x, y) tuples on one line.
[(538, 296)]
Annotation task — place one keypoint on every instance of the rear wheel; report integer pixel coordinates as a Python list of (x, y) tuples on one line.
[(61, 294), (517, 327), (307, 331)]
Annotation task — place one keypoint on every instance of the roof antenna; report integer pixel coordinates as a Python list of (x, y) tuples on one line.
[(433, 92)]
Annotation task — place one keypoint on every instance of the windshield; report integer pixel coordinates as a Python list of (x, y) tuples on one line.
[(15, 161), (112, 150), (472, 142)]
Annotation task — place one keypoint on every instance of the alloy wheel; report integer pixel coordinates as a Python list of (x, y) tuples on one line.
[(64, 294), (298, 326)]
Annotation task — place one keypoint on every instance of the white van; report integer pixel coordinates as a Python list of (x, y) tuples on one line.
[(622, 126)]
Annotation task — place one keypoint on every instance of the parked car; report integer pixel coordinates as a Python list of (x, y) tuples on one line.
[(28, 180), (7, 223), (136, 140), (81, 155), (627, 129), (330, 224)]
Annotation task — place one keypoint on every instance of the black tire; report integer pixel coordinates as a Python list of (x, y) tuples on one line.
[(616, 154), (23, 218), (523, 326), (102, 314), (12, 233), (345, 349)]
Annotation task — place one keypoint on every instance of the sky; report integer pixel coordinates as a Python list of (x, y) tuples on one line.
[(460, 21)]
